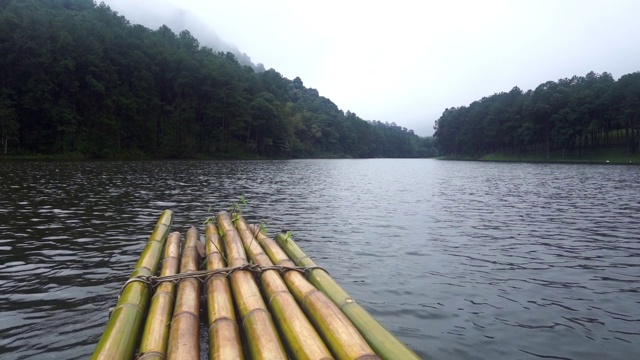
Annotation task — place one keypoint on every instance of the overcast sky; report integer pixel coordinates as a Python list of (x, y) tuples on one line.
[(405, 61)]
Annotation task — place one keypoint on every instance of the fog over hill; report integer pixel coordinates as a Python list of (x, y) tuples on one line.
[(155, 13)]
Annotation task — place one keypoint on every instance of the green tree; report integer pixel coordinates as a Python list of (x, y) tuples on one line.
[(8, 122)]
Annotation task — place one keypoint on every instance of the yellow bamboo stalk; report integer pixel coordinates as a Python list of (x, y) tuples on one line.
[(262, 337), (340, 335), (120, 338), (381, 340), (224, 334), (184, 336), (298, 332), (153, 345)]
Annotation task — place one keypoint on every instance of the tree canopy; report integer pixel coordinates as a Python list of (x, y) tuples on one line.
[(571, 115), (77, 78)]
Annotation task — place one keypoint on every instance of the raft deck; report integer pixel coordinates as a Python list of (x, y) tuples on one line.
[(264, 299)]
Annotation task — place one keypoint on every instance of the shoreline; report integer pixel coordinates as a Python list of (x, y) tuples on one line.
[(541, 160), (25, 158)]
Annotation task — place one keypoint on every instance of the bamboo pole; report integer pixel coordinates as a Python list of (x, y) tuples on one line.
[(120, 338), (262, 337), (184, 336), (153, 345), (340, 335), (298, 332), (224, 335), (381, 340)]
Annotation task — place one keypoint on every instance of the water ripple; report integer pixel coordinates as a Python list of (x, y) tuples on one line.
[(460, 260)]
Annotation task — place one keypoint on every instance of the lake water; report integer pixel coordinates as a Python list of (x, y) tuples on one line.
[(461, 260)]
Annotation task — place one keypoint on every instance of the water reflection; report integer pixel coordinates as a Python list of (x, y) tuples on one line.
[(460, 260)]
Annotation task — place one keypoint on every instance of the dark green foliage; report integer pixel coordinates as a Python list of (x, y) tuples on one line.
[(567, 117), (77, 78)]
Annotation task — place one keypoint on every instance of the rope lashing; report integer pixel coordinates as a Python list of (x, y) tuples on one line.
[(205, 275)]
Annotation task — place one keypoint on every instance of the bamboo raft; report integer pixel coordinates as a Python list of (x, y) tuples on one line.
[(265, 299)]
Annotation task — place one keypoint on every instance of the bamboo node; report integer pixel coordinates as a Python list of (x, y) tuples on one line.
[(151, 354)]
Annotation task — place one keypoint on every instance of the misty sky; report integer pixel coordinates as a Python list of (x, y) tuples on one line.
[(406, 61)]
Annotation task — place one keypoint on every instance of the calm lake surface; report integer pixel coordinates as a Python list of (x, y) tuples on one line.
[(461, 260)]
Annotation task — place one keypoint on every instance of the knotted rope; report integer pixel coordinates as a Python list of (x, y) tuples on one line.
[(205, 275)]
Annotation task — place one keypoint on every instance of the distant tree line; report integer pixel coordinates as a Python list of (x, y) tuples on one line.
[(573, 116), (77, 78)]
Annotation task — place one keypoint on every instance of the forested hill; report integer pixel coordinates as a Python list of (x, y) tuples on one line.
[(77, 78), (578, 117)]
